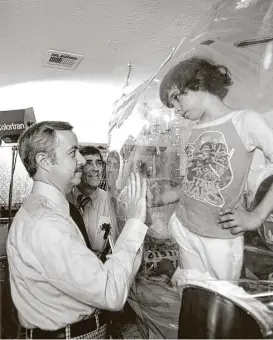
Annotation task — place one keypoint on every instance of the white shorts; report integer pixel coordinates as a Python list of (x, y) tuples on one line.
[(221, 258)]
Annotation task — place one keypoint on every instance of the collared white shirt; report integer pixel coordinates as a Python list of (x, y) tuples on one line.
[(55, 279), (95, 214)]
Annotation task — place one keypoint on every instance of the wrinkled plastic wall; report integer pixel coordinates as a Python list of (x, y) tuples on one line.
[(150, 138)]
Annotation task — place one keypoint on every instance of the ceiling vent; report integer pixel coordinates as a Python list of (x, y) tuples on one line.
[(63, 60)]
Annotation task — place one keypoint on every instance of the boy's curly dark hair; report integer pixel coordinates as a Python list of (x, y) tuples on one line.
[(196, 74)]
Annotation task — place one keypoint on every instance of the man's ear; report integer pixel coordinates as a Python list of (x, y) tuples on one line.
[(43, 161)]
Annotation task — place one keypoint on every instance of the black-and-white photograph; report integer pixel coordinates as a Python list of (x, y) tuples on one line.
[(136, 169)]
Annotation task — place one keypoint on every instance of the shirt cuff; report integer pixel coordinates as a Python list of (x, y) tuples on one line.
[(133, 233), (137, 225)]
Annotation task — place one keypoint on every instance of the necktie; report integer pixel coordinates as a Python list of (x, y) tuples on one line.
[(83, 200), (77, 218)]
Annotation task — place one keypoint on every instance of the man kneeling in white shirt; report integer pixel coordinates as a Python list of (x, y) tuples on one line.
[(58, 285)]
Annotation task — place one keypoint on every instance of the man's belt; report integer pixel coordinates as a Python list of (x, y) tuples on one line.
[(76, 329)]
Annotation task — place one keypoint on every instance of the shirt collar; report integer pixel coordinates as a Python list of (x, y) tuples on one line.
[(94, 194), (76, 192), (52, 193)]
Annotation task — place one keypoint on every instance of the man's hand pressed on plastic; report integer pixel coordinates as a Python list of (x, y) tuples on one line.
[(136, 195)]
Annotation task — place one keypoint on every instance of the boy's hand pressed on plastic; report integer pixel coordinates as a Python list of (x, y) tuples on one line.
[(239, 221), (136, 194)]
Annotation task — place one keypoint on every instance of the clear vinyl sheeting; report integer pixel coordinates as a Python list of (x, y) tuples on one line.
[(148, 137)]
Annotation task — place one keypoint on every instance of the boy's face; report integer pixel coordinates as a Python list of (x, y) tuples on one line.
[(189, 104), (112, 171)]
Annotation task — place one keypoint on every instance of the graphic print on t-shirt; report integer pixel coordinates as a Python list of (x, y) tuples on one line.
[(208, 168)]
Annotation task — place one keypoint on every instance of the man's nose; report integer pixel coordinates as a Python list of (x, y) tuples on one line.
[(94, 166), (91, 166), (177, 108)]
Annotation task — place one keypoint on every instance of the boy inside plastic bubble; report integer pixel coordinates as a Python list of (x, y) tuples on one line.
[(210, 218)]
